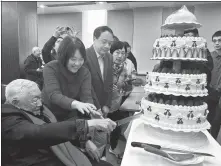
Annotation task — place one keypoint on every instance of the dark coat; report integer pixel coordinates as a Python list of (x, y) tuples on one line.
[(31, 64), (101, 90), (62, 87), (26, 144), (48, 53)]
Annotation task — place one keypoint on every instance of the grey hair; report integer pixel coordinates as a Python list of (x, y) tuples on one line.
[(15, 89), (34, 49)]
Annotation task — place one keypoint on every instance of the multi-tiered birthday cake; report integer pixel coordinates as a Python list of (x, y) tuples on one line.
[(176, 88)]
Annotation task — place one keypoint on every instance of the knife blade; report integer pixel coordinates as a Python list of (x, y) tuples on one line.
[(139, 144), (128, 119)]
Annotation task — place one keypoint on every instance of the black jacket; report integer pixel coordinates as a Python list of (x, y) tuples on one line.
[(31, 64), (25, 143), (48, 53)]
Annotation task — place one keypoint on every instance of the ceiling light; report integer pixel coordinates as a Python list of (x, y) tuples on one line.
[(101, 3), (42, 6)]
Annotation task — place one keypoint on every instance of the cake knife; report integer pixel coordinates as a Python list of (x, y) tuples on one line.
[(128, 119), (139, 144)]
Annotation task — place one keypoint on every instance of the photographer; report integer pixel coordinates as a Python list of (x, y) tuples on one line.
[(49, 51)]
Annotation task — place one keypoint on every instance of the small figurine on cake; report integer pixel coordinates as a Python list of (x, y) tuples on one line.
[(176, 86)]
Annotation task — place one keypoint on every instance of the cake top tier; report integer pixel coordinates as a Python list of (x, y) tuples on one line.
[(181, 19)]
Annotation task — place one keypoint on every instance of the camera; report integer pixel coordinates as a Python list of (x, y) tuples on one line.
[(67, 28)]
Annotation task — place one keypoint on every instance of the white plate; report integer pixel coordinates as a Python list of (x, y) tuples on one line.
[(148, 134), (194, 160)]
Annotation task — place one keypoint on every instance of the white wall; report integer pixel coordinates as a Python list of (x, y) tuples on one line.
[(90, 21), (209, 15), (122, 24), (147, 23), (47, 24), (140, 27)]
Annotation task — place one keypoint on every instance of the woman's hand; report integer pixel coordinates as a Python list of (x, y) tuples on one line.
[(92, 150), (102, 124), (84, 107), (105, 110)]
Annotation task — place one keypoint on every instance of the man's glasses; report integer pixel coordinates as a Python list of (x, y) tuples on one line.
[(219, 41)]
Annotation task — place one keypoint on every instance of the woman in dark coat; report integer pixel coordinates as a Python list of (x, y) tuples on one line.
[(67, 84)]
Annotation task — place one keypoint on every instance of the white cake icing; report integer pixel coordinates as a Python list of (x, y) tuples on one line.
[(180, 48), (165, 107), (177, 84), (181, 18), (175, 117)]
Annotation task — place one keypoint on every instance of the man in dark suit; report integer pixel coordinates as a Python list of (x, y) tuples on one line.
[(33, 67), (99, 62)]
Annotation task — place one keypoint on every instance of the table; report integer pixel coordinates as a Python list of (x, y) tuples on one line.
[(132, 158), (131, 103)]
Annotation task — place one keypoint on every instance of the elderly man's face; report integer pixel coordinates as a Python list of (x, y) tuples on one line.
[(31, 100), (37, 52)]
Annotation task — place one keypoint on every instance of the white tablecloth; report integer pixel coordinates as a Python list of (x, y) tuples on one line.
[(133, 157)]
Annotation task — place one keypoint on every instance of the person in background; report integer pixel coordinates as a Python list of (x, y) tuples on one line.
[(120, 83), (193, 32), (130, 55), (205, 67), (116, 38), (31, 134), (131, 73), (33, 67), (214, 116), (49, 51)]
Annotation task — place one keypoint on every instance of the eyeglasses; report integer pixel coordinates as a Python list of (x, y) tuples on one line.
[(219, 41)]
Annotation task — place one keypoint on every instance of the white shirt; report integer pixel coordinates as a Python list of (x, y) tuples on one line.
[(101, 63), (130, 68)]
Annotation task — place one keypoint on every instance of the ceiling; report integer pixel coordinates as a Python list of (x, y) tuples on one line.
[(81, 6)]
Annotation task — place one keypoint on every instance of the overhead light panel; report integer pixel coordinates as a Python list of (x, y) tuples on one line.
[(42, 6)]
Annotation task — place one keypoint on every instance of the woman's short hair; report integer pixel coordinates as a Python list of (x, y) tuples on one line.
[(193, 30), (68, 47), (127, 44), (216, 34), (117, 45)]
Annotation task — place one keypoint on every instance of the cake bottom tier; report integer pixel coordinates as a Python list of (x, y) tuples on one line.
[(176, 118)]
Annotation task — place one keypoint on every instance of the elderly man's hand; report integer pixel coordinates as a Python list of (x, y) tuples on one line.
[(102, 124), (92, 150)]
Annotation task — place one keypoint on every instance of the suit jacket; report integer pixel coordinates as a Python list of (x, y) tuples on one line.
[(101, 88)]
